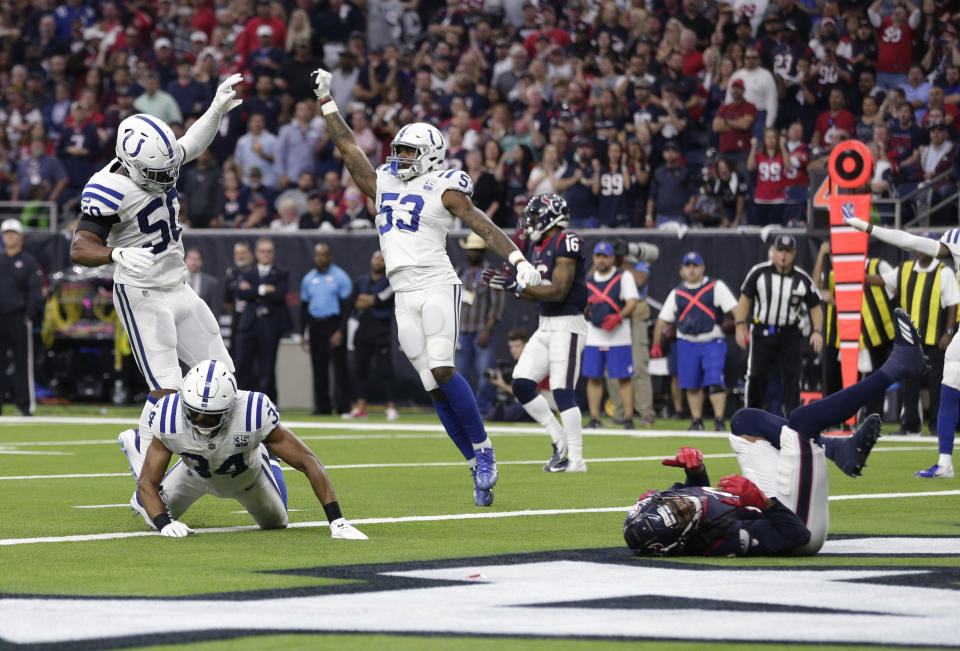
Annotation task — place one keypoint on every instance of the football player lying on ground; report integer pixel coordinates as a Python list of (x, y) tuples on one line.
[(780, 458), (218, 431)]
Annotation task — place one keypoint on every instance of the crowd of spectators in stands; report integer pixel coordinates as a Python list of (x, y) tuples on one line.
[(640, 112)]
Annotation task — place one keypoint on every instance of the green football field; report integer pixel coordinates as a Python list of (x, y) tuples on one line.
[(544, 567)]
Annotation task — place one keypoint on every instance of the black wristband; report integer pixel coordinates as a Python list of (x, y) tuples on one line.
[(161, 521), (333, 511)]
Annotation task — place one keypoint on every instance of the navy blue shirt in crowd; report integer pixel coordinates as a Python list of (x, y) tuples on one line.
[(580, 198), (669, 189), (612, 208), (565, 244)]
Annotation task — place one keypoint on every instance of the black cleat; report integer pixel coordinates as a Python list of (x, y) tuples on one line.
[(696, 425), (852, 456), (593, 423)]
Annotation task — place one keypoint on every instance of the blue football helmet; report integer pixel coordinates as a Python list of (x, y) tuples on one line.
[(542, 213), (660, 522)]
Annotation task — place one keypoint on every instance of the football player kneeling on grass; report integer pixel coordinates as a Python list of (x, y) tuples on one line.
[(218, 432), (779, 506)]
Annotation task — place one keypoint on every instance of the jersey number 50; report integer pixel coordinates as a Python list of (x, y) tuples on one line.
[(386, 209), (166, 232)]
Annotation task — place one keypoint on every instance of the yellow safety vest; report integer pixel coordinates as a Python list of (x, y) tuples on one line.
[(876, 326), (920, 297)]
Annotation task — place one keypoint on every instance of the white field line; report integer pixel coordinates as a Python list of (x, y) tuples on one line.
[(416, 518), (3, 450), (436, 464)]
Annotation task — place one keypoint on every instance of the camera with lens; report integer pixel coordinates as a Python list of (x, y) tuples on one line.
[(504, 367)]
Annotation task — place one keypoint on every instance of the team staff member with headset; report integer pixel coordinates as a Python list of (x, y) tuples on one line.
[(768, 317), (926, 289)]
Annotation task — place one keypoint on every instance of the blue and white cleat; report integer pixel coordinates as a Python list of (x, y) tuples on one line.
[(558, 460), (481, 497), (138, 508), (486, 469), (129, 440), (936, 471), (907, 359)]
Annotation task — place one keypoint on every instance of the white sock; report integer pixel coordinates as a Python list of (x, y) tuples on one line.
[(539, 410), (573, 428), (485, 443), (946, 461), (145, 415)]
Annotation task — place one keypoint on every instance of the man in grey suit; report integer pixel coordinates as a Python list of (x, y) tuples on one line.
[(206, 286)]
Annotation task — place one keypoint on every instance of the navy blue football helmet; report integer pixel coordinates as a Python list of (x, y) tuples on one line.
[(542, 213), (660, 522)]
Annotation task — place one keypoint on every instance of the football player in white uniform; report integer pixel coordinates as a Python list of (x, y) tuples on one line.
[(417, 202), (948, 247), (129, 217), (219, 434)]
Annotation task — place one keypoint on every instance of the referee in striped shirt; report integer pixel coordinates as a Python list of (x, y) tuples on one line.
[(768, 316)]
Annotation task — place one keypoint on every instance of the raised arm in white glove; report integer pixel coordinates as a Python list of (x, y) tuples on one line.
[(321, 83), (898, 238), (133, 259), (226, 97)]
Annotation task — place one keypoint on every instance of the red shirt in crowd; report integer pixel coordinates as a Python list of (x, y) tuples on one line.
[(895, 47), (771, 186), (736, 140), (799, 158), (827, 124)]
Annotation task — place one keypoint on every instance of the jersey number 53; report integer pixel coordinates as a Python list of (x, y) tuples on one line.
[(390, 200)]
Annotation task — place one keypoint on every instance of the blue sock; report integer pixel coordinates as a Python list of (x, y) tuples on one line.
[(464, 404), (810, 420), (454, 430), (757, 422), (947, 418)]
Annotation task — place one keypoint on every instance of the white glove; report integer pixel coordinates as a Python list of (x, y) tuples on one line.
[(225, 98), (857, 223), (340, 529), (133, 258), (527, 275), (176, 530), (321, 83)]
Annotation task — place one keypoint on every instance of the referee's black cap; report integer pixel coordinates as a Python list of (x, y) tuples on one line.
[(785, 242)]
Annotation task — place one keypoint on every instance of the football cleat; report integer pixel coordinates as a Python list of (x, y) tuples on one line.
[(138, 508), (354, 414), (936, 471), (576, 466), (483, 498), (341, 530), (559, 456), (486, 469), (907, 359), (129, 440), (851, 457)]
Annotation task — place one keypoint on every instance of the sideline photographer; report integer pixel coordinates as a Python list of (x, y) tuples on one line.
[(506, 407)]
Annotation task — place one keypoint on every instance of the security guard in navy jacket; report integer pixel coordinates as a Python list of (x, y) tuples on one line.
[(20, 296)]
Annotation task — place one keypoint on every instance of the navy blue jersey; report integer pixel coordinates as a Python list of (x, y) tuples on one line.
[(565, 244), (728, 531)]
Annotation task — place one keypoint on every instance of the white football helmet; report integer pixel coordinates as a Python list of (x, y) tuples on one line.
[(431, 151), (209, 394), (148, 150)]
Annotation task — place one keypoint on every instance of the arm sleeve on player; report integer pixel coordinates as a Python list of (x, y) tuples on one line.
[(98, 225), (200, 134), (779, 532), (907, 241)]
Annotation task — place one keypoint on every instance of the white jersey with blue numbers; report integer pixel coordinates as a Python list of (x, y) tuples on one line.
[(951, 239), (140, 219), (232, 457), (413, 226)]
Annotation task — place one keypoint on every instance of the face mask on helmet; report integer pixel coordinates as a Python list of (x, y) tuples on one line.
[(406, 167), (428, 148), (542, 213), (208, 393), (658, 524)]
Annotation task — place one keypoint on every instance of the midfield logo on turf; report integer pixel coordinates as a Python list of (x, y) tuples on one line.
[(590, 593)]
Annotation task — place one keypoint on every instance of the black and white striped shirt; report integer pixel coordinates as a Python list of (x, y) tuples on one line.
[(778, 299)]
